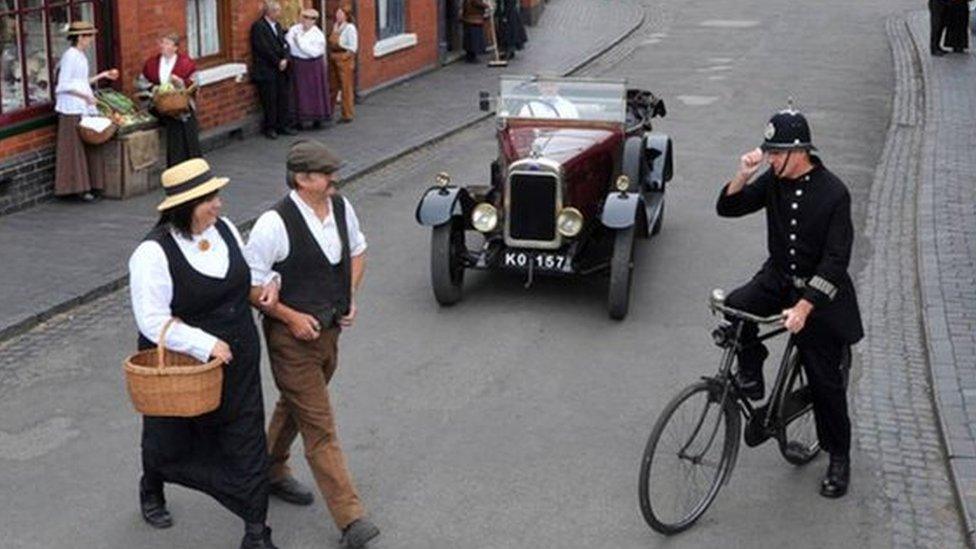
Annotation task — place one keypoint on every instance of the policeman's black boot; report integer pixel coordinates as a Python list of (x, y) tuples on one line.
[(257, 536), (838, 477), (152, 504)]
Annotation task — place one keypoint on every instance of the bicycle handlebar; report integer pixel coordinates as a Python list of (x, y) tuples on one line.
[(716, 302)]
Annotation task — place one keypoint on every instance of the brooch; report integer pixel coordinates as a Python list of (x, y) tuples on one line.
[(204, 245)]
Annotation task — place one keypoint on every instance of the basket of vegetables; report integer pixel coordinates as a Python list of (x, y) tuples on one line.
[(169, 100), (97, 129)]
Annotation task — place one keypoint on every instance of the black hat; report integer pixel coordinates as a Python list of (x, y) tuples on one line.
[(312, 156), (787, 130)]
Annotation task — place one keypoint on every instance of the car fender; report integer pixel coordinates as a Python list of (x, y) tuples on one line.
[(439, 204), (620, 210), (660, 159)]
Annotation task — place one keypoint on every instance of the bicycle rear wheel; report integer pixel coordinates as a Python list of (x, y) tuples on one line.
[(689, 454), (797, 432)]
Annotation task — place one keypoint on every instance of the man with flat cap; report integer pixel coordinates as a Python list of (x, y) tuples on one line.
[(311, 242), (809, 238)]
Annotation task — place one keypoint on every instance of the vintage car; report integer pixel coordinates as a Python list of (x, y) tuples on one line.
[(579, 177)]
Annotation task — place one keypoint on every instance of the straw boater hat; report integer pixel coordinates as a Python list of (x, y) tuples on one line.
[(314, 14), (80, 28), (188, 180)]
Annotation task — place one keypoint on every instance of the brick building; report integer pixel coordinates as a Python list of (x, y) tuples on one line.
[(398, 39)]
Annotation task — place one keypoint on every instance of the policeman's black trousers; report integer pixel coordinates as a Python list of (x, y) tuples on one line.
[(274, 96), (820, 352), (937, 23)]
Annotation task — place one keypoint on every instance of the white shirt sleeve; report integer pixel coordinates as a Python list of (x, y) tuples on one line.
[(349, 38), (151, 290), (266, 245), (357, 240)]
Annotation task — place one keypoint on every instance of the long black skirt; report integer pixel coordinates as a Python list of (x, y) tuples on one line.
[(957, 25), (224, 453), (182, 138)]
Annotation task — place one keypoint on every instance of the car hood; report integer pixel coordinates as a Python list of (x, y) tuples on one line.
[(562, 145)]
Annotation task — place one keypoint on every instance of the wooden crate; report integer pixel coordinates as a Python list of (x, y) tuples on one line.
[(122, 179)]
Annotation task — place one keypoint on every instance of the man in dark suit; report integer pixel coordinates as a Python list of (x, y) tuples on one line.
[(809, 238), (270, 69)]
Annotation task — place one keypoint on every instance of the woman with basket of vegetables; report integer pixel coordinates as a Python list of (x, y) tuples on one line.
[(79, 167), (167, 79), (190, 268)]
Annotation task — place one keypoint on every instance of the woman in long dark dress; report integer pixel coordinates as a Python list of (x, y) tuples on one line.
[(174, 67), (190, 267), (957, 25), (473, 19), (511, 31)]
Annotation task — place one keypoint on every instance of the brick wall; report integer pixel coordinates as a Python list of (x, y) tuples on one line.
[(421, 19), (29, 141), (26, 179)]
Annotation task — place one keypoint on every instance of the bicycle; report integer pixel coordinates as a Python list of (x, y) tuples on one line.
[(707, 416)]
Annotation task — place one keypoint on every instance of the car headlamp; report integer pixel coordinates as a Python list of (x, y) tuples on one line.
[(484, 217), (569, 222), (443, 179), (622, 183)]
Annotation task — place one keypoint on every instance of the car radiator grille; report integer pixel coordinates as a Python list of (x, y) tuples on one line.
[(532, 207)]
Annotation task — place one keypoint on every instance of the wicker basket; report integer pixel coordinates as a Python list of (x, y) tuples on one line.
[(173, 103), (92, 137), (170, 384)]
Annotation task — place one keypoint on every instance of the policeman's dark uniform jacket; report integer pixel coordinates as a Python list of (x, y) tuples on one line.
[(809, 238)]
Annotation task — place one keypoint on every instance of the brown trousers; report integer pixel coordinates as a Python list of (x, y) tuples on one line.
[(79, 168), (302, 371), (341, 66)]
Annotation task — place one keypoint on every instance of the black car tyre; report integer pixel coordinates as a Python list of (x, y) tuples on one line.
[(689, 454), (447, 248), (621, 273)]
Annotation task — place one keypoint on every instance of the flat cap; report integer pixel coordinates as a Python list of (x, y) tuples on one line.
[(310, 155)]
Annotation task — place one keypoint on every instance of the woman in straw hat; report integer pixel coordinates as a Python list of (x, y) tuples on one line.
[(190, 267), (79, 168), (310, 87)]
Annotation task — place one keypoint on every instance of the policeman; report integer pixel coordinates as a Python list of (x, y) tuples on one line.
[(809, 238)]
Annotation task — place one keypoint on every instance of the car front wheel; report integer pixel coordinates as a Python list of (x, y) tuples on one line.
[(621, 273), (447, 249)]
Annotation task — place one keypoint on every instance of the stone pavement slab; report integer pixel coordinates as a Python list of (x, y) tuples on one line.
[(946, 244), (58, 255)]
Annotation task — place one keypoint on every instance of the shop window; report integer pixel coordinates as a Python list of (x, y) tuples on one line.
[(32, 39), (390, 18), (206, 29)]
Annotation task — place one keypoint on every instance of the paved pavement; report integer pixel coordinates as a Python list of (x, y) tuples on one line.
[(517, 418), (946, 237), (69, 253)]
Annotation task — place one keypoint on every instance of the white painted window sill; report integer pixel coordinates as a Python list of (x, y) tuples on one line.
[(394, 44), (212, 75)]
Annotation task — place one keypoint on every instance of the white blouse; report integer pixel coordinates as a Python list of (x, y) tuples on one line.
[(268, 241), (349, 37), (306, 44), (166, 68), (73, 77), (151, 288)]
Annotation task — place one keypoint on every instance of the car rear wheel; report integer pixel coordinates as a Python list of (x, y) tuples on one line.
[(621, 273), (447, 249)]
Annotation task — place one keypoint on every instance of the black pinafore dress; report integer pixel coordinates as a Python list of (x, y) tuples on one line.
[(223, 453)]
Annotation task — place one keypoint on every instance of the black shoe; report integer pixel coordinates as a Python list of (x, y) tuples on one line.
[(287, 131), (317, 125), (258, 541), (959, 50), (152, 504), (939, 52), (359, 533), (345, 120), (292, 491), (87, 197), (271, 134), (750, 384), (838, 477)]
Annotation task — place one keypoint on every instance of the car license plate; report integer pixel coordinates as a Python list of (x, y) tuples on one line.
[(539, 261)]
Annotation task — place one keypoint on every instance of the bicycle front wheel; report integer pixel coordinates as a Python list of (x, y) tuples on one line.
[(690, 452)]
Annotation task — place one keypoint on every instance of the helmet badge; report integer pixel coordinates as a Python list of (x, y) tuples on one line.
[(770, 131)]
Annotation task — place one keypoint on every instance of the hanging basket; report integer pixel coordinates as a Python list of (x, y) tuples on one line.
[(173, 103), (171, 384), (93, 137)]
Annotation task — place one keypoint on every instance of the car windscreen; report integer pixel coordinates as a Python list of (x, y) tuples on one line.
[(559, 98)]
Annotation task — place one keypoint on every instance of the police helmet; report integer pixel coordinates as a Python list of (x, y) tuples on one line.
[(787, 130)]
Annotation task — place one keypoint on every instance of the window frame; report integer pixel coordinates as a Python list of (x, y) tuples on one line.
[(38, 111), (380, 35), (223, 34)]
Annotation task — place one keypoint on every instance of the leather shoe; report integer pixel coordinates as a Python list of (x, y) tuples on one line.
[(838, 477), (751, 384), (258, 540), (271, 134), (359, 533), (939, 52), (292, 491), (287, 131), (153, 508)]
